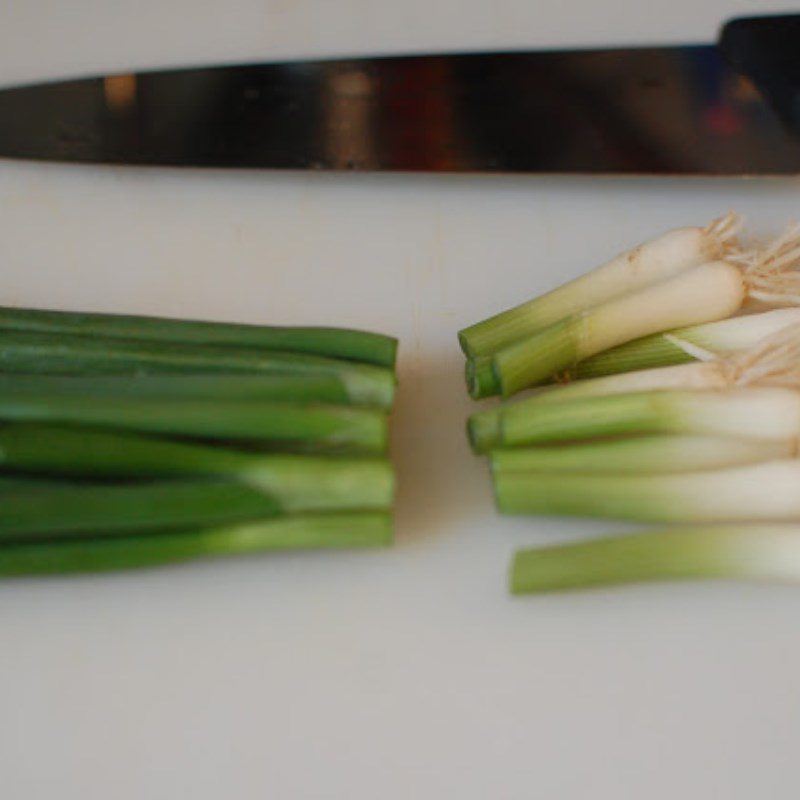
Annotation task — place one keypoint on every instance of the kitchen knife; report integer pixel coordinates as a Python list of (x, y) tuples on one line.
[(731, 108)]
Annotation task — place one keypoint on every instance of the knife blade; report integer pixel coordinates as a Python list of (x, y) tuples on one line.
[(729, 108)]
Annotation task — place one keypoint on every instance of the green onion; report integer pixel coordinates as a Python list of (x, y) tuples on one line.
[(767, 491), (646, 264), (276, 388), (705, 293), (755, 552), (149, 550), (371, 348), (774, 361), (683, 345), (324, 427), (768, 413), (296, 482), (22, 352), (109, 509), (701, 294), (642, 454), (16, 484)]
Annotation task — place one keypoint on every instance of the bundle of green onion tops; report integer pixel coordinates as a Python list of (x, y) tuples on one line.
[(686, 410), (135, 441)]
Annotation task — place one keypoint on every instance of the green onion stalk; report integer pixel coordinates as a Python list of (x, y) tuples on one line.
[(774, 361), (684, 345), (681, 346), (705, 293), (323, 427), (298, 483), (641, 454), (752, 493), (12, 485), (352, 345), (748, 413), (80, 510), (101, 554), (324, 389), (758, 552), (37, 353), (635, 269)]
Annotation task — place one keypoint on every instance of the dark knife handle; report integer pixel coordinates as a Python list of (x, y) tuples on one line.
[(767, 51)]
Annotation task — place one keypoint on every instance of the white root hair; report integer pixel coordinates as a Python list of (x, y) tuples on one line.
[(720, 235), (772, 273), (775, 361)]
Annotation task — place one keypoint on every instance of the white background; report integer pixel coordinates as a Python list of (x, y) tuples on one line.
[(405, 673)]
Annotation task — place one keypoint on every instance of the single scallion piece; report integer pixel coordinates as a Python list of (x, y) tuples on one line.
[(296, 482), (37, 353), (630, 271), (276, 388), (752, 493), (757, 413), (683, 345), (642, 454), (711, 291), (11, 485), (760, 552), (86, 510), (323, 427), (302, 532), (353, 345)]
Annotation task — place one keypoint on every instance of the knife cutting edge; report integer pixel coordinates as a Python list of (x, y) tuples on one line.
[(731, 108)]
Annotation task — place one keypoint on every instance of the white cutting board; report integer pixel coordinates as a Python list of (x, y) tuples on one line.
[(405, 673)]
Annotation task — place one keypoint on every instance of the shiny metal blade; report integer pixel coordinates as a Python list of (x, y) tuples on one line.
[(673, 111)]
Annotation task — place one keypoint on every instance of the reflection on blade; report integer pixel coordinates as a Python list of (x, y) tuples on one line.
[(648, 110)]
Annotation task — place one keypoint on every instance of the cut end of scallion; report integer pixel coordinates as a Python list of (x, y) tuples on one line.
[(483, 430), (480, 378)]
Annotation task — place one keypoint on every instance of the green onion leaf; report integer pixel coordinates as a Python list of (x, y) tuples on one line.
[(302, 532), (371, 348), (296, 482), (325, 427), (37, 353)]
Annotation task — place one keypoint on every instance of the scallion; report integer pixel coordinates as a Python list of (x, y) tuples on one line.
[(323, 427), (754, 552), (85, 510), (100, 554), (767, 491), (648, 263), (642, 454), (700, 294), (762, 413), (711, 291), (275, 388), (774, 361), (678, 346), (44, 353), (353, 345), (296, 482)]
